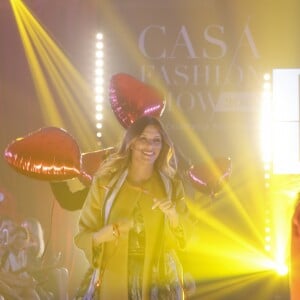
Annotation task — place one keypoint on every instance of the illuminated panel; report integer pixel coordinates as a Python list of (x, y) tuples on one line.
[(286, 152)]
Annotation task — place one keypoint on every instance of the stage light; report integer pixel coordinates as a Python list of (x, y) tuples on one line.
[(281, 268), (99, 82), (268, 248), (99, 76), (99, 45), (99, 54), (268, 231), (99, 98), (99, 116), (99, 62), (267, 76), (268, 239), (99, 36), (99, 72), (266, 121), (99, 107), (99, 89)]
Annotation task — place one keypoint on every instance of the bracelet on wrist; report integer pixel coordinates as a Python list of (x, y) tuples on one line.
[(115, 230)]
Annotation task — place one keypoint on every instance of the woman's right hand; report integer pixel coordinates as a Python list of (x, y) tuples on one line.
[(121, 227), (113, 231)]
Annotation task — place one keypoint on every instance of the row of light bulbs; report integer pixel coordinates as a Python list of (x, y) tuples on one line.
[(99, 84), (266, 147)]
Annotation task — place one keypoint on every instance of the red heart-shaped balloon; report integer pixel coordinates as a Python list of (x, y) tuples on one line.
[(90, 163), (131, 99), (208, 179), (49, 153)]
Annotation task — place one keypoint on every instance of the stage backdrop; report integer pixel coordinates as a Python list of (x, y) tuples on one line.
[(208, 57)]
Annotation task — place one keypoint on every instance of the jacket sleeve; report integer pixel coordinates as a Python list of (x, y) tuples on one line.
[(178, 197), (90, 221)]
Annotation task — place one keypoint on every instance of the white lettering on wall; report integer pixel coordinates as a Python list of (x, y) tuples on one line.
[(183, 40), (199, 68), (214, 41)]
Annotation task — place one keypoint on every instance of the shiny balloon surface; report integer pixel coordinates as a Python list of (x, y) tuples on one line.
[(207, 178), (49, 153), (131, 99), (90, 163)]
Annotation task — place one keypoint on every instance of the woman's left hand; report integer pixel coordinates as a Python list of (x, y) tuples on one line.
[(168, 208)]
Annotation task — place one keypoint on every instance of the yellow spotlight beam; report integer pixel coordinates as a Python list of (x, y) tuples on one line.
[(64, 77), (46, 60), (129, 42), (226, 287), (256, 258), (50, 113)]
